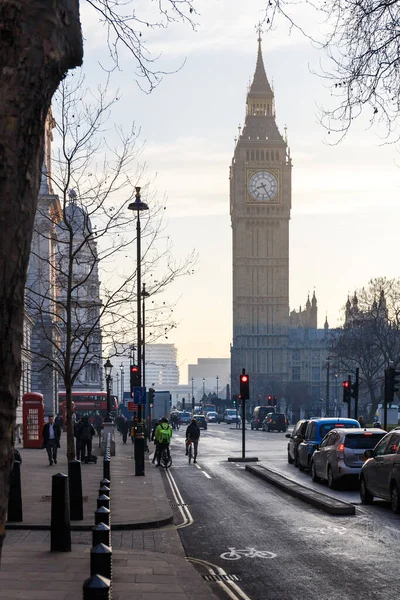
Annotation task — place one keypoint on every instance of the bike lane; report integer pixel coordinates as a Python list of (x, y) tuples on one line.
[(268, 544)]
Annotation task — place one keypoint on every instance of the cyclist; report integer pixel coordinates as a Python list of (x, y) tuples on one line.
[(163, 437), (192, 435), (175, 421)]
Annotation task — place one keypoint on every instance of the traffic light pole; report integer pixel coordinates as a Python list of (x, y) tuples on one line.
[(243, 428), (355, 393)]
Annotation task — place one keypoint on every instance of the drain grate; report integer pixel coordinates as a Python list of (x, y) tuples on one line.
[(179, 504), (222, 577)]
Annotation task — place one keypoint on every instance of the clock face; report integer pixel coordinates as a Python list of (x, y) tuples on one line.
[(263, 186)]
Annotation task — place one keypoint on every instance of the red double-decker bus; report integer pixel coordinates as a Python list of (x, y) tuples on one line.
[(87, 402)]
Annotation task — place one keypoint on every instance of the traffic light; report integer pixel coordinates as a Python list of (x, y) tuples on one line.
[(347, 391), (269, 400), (244, 386), (275, 401), (151, 395), (391, 384), (135, 378)]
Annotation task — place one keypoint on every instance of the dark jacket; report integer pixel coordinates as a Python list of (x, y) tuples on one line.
[(17, 456), (193, 432), (45, 434), (86, 431)]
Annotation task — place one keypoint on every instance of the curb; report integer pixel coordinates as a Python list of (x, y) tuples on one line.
[(241, 459), (115, 526), (332, 506)]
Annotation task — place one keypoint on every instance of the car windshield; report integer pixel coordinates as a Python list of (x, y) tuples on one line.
[(327, 427), (231, 411), (200, 418), (211, 413), (185, 414), (365, 441)]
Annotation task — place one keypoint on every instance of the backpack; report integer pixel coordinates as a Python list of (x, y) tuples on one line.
[(163, 435), (85, 433)]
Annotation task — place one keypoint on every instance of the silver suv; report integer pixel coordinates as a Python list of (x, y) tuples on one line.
[(341, 453)]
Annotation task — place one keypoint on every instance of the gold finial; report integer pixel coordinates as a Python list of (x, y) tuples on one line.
[(259, 31)]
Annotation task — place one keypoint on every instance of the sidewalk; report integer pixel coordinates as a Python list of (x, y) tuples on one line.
[(148, 558)]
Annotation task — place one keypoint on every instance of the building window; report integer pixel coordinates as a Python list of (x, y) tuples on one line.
[(315, 356), (296, 355), (296, 374), (315, 373)]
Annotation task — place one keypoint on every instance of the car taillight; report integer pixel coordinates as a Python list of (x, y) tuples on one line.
[(270, 420), (258, 420), (340, 450)]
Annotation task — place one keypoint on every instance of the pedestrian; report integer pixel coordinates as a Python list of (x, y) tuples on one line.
[(124, 427), (193, 435), (59, 421), (154, 439), (361, 421), (86, 433), (51, 439), (163, 435), (77, 426)]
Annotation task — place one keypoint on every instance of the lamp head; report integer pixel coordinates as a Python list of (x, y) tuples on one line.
[(138, 204), (108, 368)]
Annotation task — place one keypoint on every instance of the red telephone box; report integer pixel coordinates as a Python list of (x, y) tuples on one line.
[(32, 419)]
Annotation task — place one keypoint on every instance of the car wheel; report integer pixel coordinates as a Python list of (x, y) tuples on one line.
[(289, 458), (365, 496), (314, 475), (332, 482), (395, 498)]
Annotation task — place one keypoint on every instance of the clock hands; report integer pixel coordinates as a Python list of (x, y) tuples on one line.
[(262, 185)]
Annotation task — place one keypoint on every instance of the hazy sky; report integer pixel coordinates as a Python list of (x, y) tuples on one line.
[(345, 211)]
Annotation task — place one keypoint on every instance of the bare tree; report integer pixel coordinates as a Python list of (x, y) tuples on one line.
[(362, 40), (370, 338), (39, 43), (92, 235)]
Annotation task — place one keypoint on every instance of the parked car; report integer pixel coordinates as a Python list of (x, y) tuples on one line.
[(258, 416), (341, 454), (315, 432), (295, 438), (231, 415), (274, 421), (186, 417), (380, 474), (201, 421), (212, 417)]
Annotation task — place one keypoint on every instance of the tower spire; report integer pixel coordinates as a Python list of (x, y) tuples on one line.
[(260, 84)]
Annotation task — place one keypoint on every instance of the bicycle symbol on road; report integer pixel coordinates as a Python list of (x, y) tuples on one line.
[(324, 530), (235, 554)]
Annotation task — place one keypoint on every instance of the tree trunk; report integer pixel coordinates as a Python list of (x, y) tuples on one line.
[(39, 41)]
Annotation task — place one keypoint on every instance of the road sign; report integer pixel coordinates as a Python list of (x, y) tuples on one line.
[(132, 406), (139, 395)]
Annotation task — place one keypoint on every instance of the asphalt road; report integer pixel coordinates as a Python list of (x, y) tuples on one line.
[(276, 546)]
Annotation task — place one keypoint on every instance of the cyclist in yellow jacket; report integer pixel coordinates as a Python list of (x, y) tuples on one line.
[(163, 436)]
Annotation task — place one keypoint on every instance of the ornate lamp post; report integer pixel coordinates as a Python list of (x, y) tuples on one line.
[(204, 387), (328, 365), (108, 370), (192, 396), (217, 386), (122, 382)]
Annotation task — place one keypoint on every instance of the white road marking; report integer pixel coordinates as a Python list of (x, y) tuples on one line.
[(206, 474), (198, 466), (230, 588), (235, 554), (184, 510)]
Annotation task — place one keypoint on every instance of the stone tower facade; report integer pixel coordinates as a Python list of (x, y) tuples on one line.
[(260, 203)]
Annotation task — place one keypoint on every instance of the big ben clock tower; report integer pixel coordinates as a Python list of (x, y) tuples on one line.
[(260, 199)]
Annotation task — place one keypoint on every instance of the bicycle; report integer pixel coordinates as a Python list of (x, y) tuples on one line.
[(190, 450), (166, 460)]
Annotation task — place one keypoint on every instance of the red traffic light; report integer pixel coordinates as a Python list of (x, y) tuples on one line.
[(346, 384), (244, 378), (269, 398), (134, 369)]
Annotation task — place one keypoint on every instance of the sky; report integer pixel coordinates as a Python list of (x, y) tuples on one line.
[(345, 209)]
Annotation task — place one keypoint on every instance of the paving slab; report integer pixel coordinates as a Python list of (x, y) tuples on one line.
[(137, 502)]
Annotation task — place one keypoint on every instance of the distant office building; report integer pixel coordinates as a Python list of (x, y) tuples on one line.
[(161, 366), (208, 375)]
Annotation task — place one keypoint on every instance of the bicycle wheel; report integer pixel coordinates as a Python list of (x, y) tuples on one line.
[(190, 453)]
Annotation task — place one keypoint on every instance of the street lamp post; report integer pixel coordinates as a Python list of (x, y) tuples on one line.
[(204, 387), (192, 396), (122, 382), (328, 365), (217, 386), (139, 207), (108, 370), (144, 296)]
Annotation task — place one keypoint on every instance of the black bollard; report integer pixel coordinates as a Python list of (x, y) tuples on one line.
[(106, 468), (60, 535), (75, 490), (14, 512), (101, 534), (101, 561), (96, 588), (102, 515), (105, 482), (139, 454), (103, 500), (104, 490)]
